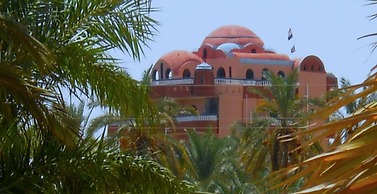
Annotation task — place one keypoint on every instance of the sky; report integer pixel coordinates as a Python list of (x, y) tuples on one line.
[(328, 29)]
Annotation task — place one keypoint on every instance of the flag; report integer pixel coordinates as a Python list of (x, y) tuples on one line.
[(293, 49), (290, 35)]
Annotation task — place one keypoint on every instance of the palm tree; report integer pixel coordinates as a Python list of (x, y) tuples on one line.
[(33, 163), (49, 50), (284, 108), (58, 48), (212, 164), (254, 150), (349, 166), (263, 148)]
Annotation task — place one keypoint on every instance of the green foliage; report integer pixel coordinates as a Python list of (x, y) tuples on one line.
[(349, 165), (254, 147), (283, 109), (213, 164), (49, 49), (263, 146), (35, 162)]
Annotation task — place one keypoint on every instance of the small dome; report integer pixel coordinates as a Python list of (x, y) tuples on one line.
[(179, 57), (232, 34), (203, 66)]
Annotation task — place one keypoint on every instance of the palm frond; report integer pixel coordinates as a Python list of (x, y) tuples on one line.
[(16, 39), (125, 25), (349, 166), (103, 121), (35, 162)]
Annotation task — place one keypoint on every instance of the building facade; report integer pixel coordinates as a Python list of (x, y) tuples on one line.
[(216, 79)]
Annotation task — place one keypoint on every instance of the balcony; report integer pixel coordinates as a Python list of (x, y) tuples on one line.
[(218, 81), (243, 82), (196, 118), (186, 81), (200, 123)]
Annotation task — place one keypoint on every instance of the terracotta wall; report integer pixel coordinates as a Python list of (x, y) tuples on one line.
[(230, 107), (312, 82), (332, 82), (170, 91), (239, 69)]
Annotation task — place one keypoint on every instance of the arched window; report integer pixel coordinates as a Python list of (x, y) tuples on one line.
[(253, 51), (313, 67), (305, 67), (281, 74), (264, 73), (204, 53), (168, 74), (221, 73), (186, 73), (230, 72), (249, 74), (155, 75)]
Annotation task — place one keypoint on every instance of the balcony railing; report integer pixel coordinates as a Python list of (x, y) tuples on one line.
[(244, 82), (197, 118), (186, 81), (218, 81)]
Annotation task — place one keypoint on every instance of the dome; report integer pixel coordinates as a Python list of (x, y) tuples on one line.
[(179, 57), (232, 34)]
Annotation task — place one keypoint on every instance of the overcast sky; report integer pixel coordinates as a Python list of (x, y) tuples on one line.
[(326, 28)]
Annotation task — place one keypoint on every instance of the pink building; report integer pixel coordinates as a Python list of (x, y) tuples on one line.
[(216, 78)]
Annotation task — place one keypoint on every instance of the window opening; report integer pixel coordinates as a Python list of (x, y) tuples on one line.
[(221, 73)]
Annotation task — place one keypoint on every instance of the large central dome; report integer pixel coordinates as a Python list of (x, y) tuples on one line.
[(232, 34)]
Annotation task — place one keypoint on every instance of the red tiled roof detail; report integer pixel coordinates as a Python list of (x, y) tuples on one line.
[(178, 58), (270, 56), (232, 34)]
